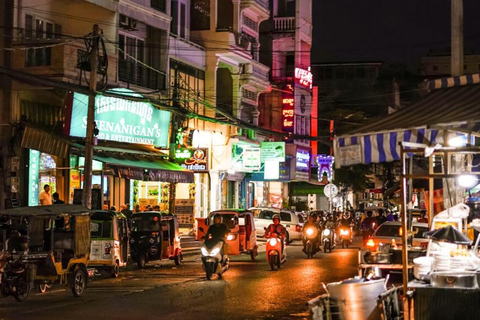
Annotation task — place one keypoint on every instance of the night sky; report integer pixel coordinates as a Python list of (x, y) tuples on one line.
[(387, 30)]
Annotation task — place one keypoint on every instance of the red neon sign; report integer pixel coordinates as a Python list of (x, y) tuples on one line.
[(288, 112)]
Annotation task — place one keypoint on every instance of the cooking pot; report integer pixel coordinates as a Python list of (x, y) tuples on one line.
[(448, 279)]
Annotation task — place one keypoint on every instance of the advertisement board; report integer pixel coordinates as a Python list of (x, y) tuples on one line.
[(194, 159), (122, 120), (184, 210), (288, 112), (251, 159), (273, 151)]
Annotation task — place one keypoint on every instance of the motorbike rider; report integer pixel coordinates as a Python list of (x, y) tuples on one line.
[(312, 223), (346, 220), (278, 228), (368, 225), (217, 232)]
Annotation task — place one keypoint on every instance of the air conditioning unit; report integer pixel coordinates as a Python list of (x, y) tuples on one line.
[(128, 23), (133, 24)]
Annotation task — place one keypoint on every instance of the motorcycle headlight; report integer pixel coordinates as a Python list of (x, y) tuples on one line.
[(273, 241), (215, 251), (309, 232), (344, 232), (204, 251), (326, 232)]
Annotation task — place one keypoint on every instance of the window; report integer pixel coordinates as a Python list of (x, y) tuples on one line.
[(200, 15), (130, 67), (266, 215), (435, 68), (174, 22), (160, 5), (183, 18), (286, 216), (38, 29)]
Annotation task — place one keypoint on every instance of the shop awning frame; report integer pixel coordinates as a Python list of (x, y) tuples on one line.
[(451, 109), (148, 169)]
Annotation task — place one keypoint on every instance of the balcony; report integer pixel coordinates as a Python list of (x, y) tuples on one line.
[(284, 24), (262, 3), (139, 75)]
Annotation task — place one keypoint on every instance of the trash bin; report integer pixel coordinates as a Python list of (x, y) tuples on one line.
[(355, 299)]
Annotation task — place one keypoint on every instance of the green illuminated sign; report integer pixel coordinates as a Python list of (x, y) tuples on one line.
[(33, 176), (273, 151), (122, 120)]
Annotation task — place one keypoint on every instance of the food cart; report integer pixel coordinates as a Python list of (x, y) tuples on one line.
[(446, 281)]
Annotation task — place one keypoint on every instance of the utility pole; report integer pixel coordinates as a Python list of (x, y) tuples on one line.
[(173, 138), (457, 38), (87, 172)]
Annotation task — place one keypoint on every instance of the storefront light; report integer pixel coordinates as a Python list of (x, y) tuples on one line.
[(458, 141)]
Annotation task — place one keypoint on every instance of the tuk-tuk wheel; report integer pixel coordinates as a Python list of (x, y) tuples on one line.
[(115, 270), (79, 283), (23, 289), (178, 259), (253, 254)]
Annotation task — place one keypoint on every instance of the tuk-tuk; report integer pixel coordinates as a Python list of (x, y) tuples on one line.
[(109, 241), (154, 236), (43, 245), (242, 237)]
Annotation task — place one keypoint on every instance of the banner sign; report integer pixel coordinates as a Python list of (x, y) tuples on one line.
[(325, 166), (33, 177), (122, 120), (195, 160), (273, 151), (251, 159)]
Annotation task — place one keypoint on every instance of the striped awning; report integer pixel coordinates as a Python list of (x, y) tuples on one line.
[(452, 109), (45, 142)]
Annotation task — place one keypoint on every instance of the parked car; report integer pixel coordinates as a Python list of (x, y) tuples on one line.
[(390, 231), (289, 219)]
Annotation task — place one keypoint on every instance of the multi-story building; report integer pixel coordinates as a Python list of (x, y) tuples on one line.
[(234, 78), (437, 64)]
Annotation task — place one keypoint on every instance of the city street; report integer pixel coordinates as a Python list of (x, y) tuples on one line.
[(249, 290)]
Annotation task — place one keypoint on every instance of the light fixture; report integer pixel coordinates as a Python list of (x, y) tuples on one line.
[(458, 141), (467, 180)]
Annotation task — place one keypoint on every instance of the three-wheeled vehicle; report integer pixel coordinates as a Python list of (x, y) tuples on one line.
[(44, 245), (154, 236), (242, 237), (109, 245)]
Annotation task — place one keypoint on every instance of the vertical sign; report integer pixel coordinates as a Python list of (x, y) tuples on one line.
[(288, 112), (33, 177)]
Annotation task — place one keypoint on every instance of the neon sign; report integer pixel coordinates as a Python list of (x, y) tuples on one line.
[(325, 166), (304, 77), (288, 112)]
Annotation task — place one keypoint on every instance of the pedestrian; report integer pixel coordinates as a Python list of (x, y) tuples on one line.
[(381, 217), (148, 208), (156, 208), (390, 215), (105, 207), (45, 196), (423, 217), (126, 211), (56, 199), (137, 208), (113, 208)]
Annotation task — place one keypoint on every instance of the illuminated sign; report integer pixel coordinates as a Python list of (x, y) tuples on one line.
[(273, 151), (304, 77), (271, 170), (251, 159), (122, 120), (195, 160), (33, 176), (325, 166), (302, 160), (288, 112)]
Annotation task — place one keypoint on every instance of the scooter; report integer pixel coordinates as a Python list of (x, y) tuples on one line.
[(275, 256), (345, 236), (212, 260), (328, 239), (13, 278), (309, 244)]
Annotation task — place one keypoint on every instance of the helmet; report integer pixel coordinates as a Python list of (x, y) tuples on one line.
[(276, 216), (218, 215), (314, 216)]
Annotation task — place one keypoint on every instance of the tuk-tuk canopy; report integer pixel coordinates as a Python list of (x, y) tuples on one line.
[(46, 211)]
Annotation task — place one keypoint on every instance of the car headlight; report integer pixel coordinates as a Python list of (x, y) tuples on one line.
[(326, 232)]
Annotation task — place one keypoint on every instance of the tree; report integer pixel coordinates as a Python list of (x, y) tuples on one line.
[(354, 177)]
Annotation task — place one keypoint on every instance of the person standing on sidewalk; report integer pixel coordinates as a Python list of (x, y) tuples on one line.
[(45, 196)]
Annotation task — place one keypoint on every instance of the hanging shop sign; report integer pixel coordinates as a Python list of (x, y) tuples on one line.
[(273, 151), (288, 112), (195, 160), (325, 166), (302, 160), (122, 120), (33, 177), (251, 159), (304, 77)]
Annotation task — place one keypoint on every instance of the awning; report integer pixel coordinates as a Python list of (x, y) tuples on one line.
[(45, 142), (452, 110), (305, 188), (147, 169)]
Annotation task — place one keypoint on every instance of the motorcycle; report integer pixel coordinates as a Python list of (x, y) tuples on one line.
[(212, 261), (309, 241), (275, 256), (328, 239), (345, 236), (13, 278)]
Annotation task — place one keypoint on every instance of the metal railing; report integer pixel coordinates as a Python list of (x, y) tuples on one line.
[(284, 23)]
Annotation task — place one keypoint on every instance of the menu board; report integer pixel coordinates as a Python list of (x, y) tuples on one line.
[(184, 210)]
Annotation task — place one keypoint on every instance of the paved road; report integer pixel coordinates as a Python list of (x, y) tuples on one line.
[(249, 290)]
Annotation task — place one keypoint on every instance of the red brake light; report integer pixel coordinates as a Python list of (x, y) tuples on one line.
[(298, 228)]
